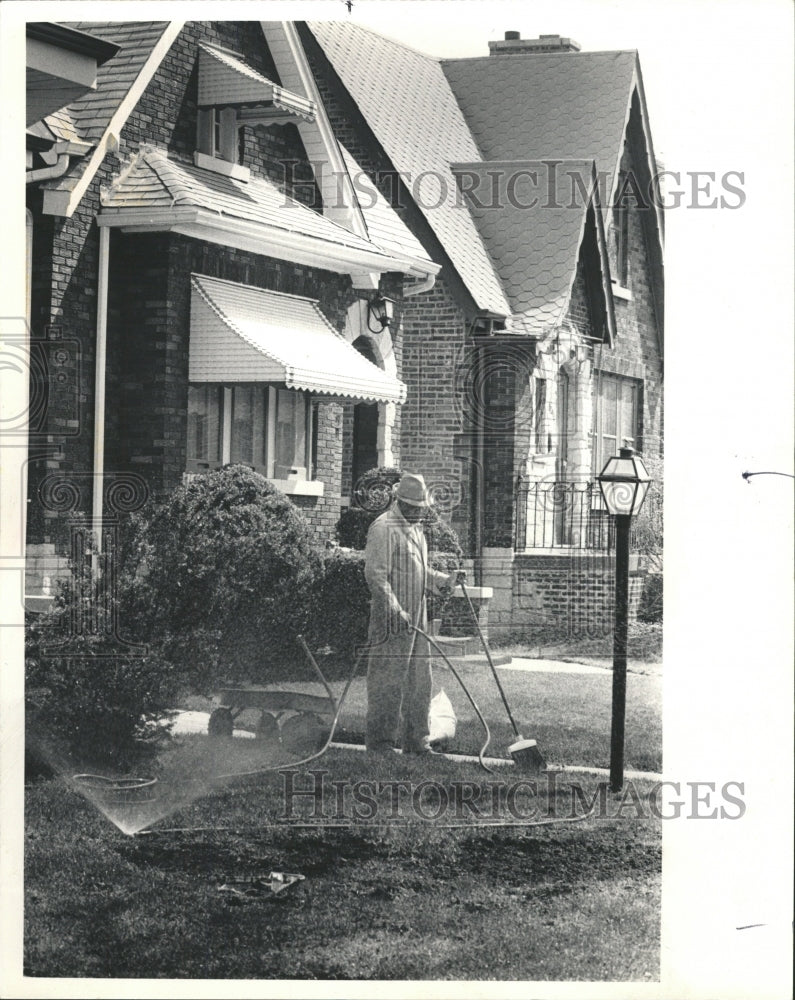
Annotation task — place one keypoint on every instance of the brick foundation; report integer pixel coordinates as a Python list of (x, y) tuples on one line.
[(573, 592)]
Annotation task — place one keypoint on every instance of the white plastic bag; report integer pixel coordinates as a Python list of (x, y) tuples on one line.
[(441, 719)]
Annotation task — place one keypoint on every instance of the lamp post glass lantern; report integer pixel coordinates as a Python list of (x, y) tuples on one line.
[(624, 483)]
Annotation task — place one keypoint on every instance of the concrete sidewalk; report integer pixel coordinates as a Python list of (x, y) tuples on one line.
[(553, 667)]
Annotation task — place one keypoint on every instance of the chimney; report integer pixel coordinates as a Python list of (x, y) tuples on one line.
[(514, 44)]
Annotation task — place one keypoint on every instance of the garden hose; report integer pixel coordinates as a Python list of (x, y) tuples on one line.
[(474, 704), (552, 821), (339, 704)]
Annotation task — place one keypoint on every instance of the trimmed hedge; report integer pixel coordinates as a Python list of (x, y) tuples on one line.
[(91, 701), (340, 609), (214, 582)]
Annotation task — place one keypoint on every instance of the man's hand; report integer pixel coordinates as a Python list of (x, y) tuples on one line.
[(456, 577), (401, 621)]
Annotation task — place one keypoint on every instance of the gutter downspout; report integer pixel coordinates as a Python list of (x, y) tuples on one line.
[(58, 169), (419, 287), (99, 388)]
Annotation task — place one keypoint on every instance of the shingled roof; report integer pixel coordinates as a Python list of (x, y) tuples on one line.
[(384, 225), (532, 219), (407, 101), (449, 115), (538, 106), (155, 181), (91, 114)]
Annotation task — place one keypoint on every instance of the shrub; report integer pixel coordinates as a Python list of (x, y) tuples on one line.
[(373, 491), (213, 582), (650, 608), (352, 527), (89, 696), (95, 703), (647, 532), (220, 572)]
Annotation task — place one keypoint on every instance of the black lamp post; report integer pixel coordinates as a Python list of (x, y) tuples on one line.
[(624, 483)]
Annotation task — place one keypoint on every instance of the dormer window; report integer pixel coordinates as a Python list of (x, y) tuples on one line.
[(233, 94), (217, 134)]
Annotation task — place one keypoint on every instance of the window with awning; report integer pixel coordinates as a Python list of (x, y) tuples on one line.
[(257, 361), (244, 334)]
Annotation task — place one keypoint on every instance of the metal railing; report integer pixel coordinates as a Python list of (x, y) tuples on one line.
[(562, 515)]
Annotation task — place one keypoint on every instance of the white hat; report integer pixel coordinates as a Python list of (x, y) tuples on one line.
[(412, 490)]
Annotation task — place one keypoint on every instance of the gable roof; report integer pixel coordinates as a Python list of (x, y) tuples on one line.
[(96, 116), (92, 113), (533, 239), (536, 106), (427, 113), (532, 105), (405, 98)]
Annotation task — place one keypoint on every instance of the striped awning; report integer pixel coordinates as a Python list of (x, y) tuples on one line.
[(225, 80), (243, 334)]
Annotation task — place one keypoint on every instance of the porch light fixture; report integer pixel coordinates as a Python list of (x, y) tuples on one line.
[(624, 483), (380, 310)]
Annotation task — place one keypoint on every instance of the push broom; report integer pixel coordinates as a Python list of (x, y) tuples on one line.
[(525, 753)]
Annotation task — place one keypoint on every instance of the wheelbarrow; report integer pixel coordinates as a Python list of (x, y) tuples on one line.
[(296, 720)]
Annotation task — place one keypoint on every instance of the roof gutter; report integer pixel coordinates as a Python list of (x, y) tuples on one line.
[(58, 169), (259, 238)]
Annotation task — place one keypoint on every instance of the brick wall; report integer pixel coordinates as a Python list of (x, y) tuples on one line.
[(148, 351), (573, 593), (637, 351), (431, 434), (166, 113), (434, 435), (579, 308), (149, 297)]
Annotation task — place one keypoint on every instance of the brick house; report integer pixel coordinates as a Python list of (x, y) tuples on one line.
[(206, 285), (529, 175), (235, 196)]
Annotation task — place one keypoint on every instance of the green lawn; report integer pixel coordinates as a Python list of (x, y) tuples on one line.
[(568, 714), (397, 896), (403, 899)]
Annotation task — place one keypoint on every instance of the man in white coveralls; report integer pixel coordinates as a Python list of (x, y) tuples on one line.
[(399, 670)]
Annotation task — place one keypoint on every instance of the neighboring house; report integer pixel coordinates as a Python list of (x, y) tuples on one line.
[(206, 285), (529, 176)]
